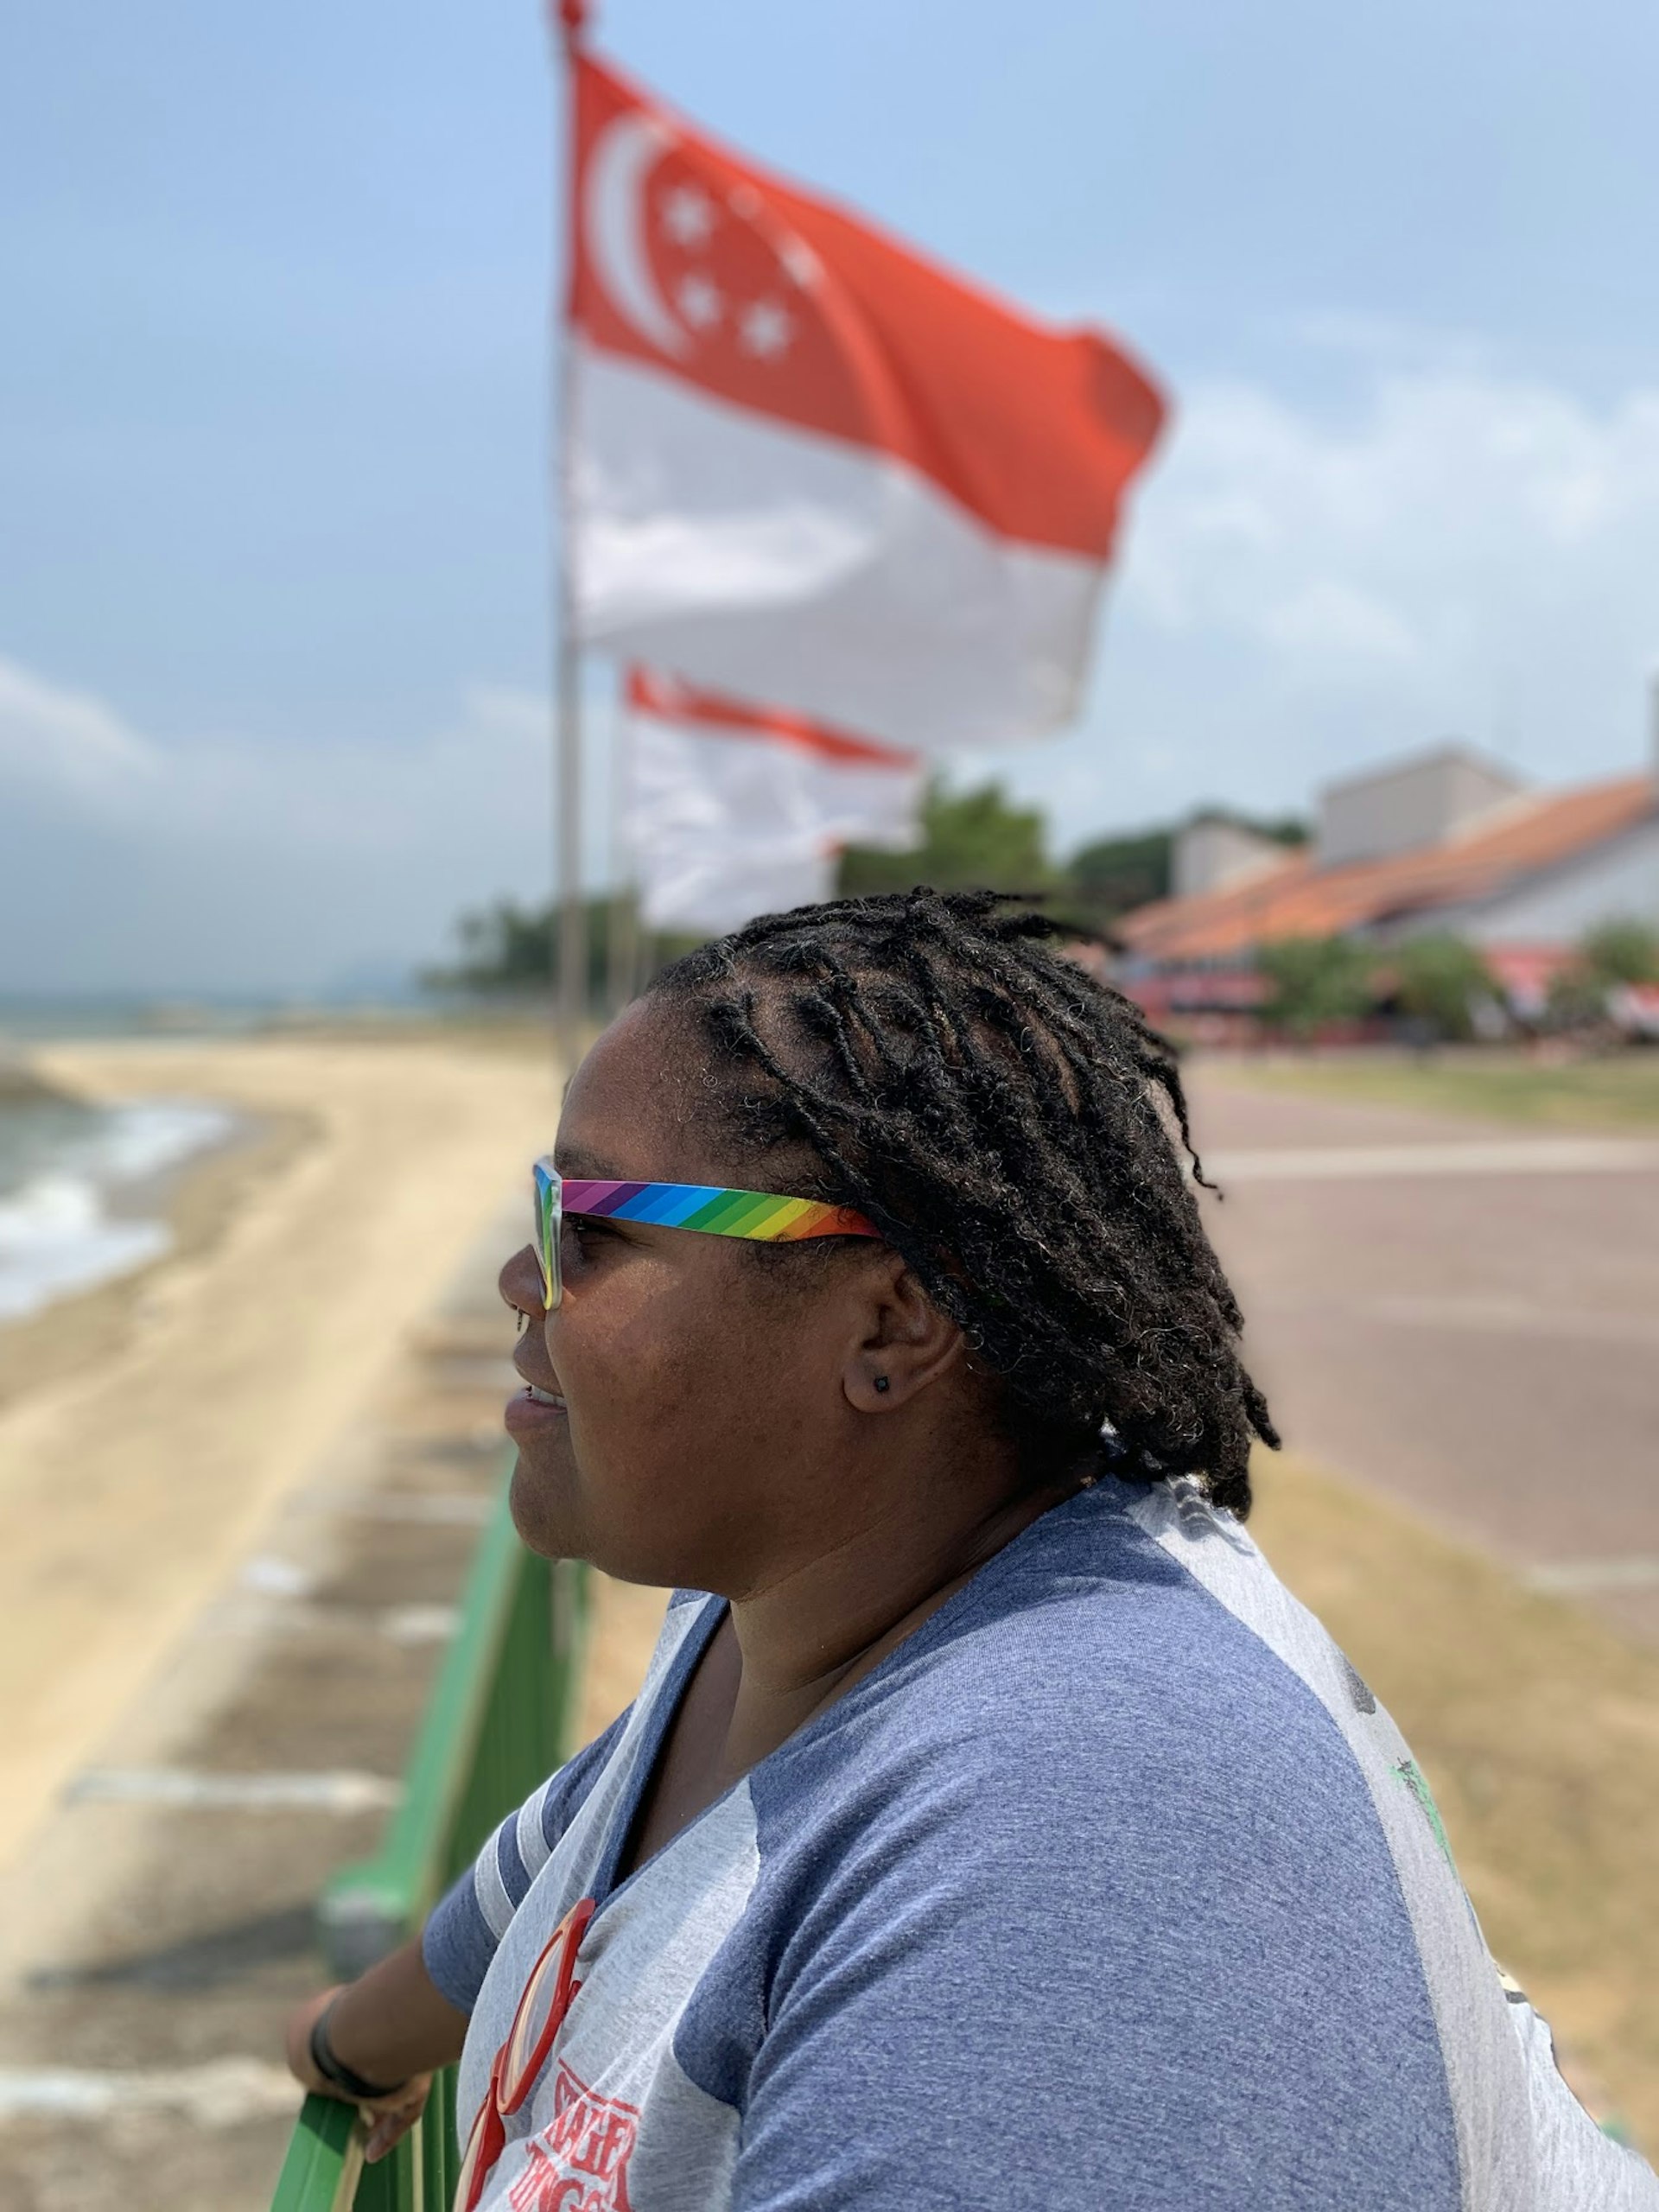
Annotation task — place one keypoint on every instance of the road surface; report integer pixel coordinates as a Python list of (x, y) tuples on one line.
[(1465, 1314)]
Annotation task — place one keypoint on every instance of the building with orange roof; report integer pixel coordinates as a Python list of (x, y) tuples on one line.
[(1445, 841)]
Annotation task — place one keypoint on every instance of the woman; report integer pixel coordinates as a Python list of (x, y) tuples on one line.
[(992, 1827)]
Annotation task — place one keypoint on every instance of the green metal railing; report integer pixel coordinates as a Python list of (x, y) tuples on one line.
[(497, 1724)]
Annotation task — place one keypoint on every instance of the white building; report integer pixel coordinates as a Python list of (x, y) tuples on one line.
[(1444, 841)]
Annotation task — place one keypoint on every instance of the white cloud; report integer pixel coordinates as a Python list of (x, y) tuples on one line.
[(1325, 621), (326, 794), (320, 793), (1459, 501), (1460, 553), (220, 862), (1449, 490), (67, 742)]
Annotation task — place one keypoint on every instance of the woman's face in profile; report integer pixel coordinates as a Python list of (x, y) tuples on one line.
[(689, 1372)]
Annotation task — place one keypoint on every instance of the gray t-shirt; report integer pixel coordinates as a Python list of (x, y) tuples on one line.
[(1112, 1889)]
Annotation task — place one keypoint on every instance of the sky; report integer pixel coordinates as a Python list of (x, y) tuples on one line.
[(274, 539)]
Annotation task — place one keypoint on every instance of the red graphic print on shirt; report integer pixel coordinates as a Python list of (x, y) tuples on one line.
[(580, 2163)]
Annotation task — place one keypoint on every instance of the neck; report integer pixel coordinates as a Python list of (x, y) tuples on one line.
[(800, 1639)]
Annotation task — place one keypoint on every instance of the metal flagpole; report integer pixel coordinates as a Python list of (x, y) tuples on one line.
[(569, 948), (570, 924), (623, 919)]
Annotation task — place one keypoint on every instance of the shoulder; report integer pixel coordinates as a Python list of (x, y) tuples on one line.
[(1086, 1668), (1098, 1752), (1090, 1832)]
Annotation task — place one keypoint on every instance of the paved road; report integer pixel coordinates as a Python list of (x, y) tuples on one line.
[(1463, 1313)]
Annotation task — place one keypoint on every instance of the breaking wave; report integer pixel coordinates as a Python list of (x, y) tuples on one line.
[(78, 1205)]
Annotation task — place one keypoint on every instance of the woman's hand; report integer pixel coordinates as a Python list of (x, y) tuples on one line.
[(390, 2118)]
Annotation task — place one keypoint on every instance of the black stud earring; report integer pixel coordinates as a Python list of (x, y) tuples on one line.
[(881, 1383)]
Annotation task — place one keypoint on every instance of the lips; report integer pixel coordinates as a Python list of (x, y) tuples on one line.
[(534, 1412), (539, 1407), (539, 1393)]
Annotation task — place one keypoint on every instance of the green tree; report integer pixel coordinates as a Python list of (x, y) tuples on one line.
[(1625, 951), (1574, 999), (1288, 829), (1622, 950), (506, 951), (504, 947), (970, 840), (1312, 980), (1439, 980), (1115, 874)]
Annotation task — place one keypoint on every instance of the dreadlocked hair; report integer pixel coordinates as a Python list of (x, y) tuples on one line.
[(1018, 1132)]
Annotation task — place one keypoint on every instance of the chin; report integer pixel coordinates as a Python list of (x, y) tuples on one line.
[(542, 1501), (620, 1537)]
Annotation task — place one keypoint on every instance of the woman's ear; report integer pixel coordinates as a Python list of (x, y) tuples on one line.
[(906, 1346)]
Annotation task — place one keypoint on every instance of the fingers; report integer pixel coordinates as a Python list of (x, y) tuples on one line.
[(389, 2123), (386, 2135)]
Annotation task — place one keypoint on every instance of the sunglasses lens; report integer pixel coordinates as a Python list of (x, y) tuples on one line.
[(548, 1213)]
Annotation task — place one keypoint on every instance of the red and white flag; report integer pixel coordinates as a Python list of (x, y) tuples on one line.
[(734, 810), (811, 466)]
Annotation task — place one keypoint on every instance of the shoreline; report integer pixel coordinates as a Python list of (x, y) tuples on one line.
[(198, 1199), (156, 1422)]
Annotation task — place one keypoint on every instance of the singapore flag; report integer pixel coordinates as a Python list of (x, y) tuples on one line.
[(734, 810), (810, 466)]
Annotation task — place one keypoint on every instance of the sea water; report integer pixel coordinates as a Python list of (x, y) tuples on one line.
[(79, 1189)]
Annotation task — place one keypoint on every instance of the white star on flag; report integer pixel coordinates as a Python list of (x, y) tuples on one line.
[(764, 329), (699, 302), (800, 263), (688, 215)]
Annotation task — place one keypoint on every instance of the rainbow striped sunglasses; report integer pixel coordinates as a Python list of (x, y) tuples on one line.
[(759, 1215)]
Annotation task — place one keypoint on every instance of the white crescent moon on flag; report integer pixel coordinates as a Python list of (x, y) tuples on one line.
[(613, 226)]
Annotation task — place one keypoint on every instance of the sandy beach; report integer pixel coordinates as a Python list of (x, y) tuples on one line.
[(160, 1420)]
